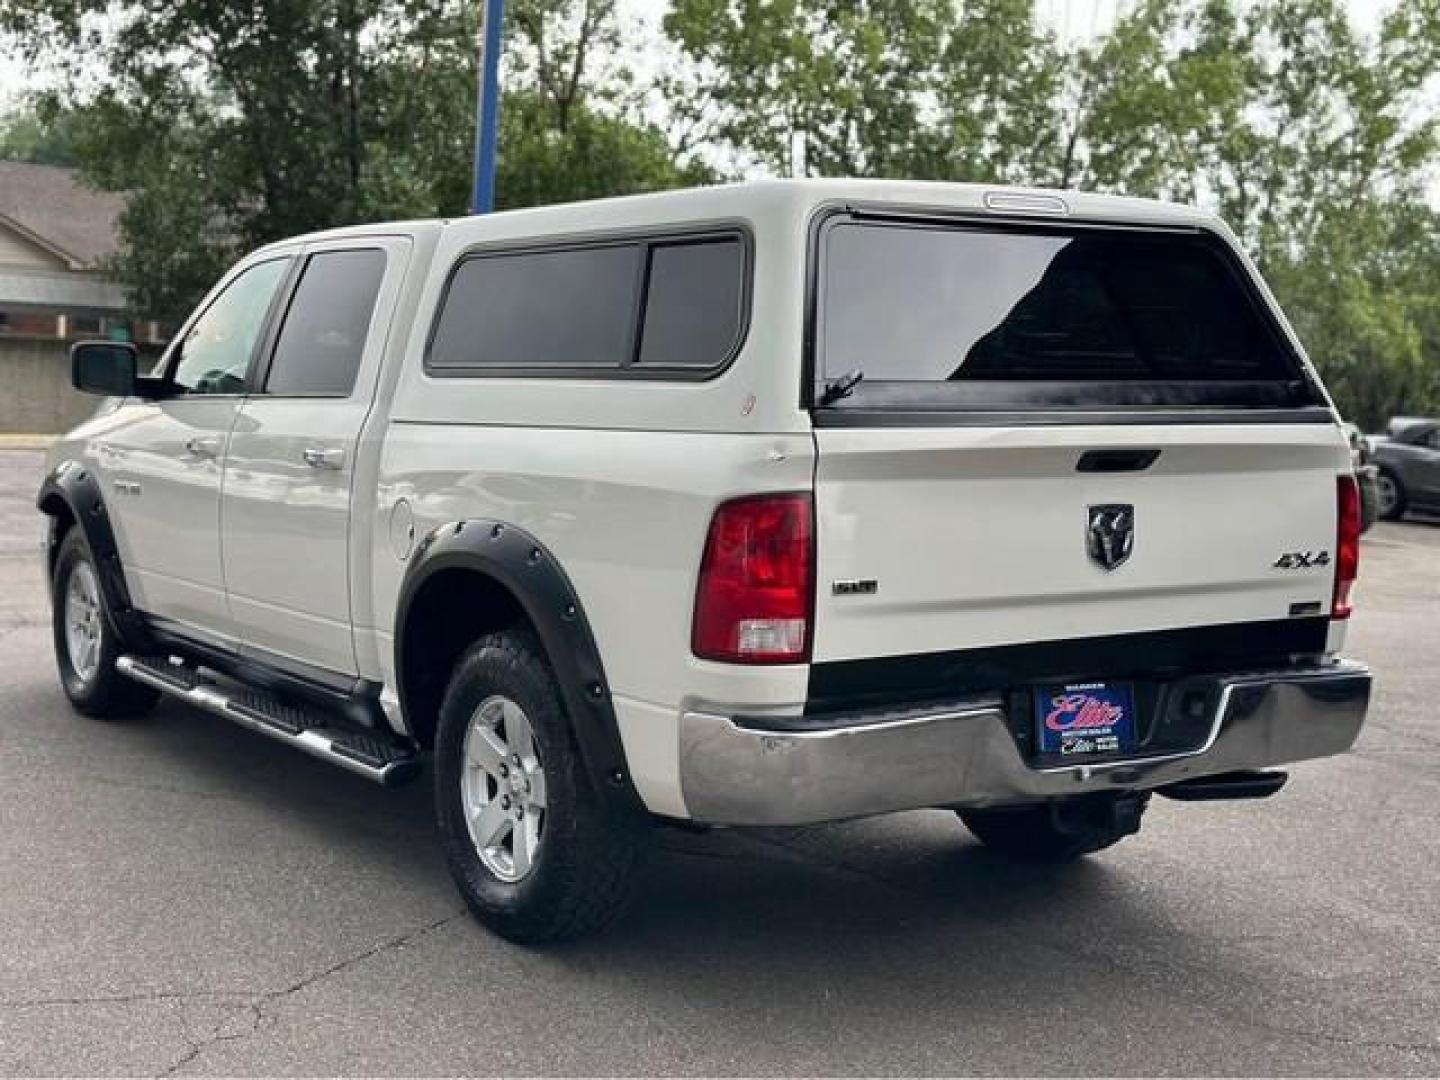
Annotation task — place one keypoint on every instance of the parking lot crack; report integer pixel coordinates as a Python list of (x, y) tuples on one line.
[(397, 942), (255, 1009), (227, 1016), (221, 1030)]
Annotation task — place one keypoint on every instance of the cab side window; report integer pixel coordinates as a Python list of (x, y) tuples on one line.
[(323, 338), (664, 307), (215, 352), (694, 304)]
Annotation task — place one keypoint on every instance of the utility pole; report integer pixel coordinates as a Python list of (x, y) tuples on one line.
[(487, 108)]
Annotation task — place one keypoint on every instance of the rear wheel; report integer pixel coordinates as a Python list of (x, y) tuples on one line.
[(86, 644), (537, 854), (1058, 831), (1390, 494)]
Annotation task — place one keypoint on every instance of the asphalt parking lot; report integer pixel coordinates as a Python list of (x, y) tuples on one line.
[(179, 896)]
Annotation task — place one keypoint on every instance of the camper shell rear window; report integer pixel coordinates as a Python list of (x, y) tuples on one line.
[(946, 316)]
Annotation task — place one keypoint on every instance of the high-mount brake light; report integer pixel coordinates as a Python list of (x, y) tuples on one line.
[(755, 598)]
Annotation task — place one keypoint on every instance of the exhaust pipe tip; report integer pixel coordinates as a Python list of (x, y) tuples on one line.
[(1249, 784)]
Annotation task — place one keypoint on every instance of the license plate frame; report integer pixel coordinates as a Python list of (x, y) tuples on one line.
[(1081, 721)]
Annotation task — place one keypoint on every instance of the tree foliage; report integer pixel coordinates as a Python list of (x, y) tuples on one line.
[(31, 133), (1314, 142), (233, 124), (917, 88)]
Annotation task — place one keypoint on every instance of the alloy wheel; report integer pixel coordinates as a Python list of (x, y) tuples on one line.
[(83, 626), (502, 788)]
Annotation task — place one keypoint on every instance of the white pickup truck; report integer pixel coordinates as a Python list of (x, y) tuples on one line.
[(758, 505)]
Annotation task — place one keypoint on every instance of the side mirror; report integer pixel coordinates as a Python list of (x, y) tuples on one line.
[(104, 367)]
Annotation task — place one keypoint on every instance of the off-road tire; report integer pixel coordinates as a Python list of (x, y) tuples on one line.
[(590, 852), (106, 694), (1057, 831)]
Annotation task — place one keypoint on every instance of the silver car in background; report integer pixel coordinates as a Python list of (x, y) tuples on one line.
[(1408, 459)]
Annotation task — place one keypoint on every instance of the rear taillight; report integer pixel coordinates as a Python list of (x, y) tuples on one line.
[(1347, 544), (755, 596)]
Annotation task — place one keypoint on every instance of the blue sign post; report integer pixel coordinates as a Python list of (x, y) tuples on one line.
[(487, 110)]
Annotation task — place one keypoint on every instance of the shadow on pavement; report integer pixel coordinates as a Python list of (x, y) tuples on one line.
[(870, 879)]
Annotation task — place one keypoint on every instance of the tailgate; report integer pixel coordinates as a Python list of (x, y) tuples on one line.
[(1060, 432), (943, 539)]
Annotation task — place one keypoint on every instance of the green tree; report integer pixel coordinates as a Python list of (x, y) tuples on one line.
[(571, 123), (42, 136), (1364, 296), (918, 88), (1315, 145), (570, 118), (594, 155), (1277, 112), (1314, 142), (232, 125)]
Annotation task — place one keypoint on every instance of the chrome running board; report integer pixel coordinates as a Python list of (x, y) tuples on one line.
[(305, 728)]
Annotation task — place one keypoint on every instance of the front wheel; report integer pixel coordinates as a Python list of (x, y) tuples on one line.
[(537, 854), (1058, 831), (86, 644)]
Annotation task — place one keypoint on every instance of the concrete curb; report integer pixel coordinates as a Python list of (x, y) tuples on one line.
[(26, 442)]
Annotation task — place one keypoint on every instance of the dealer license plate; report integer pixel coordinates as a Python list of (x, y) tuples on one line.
[(1080, 720)]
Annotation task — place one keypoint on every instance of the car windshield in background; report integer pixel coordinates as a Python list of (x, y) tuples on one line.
[(953, 308)]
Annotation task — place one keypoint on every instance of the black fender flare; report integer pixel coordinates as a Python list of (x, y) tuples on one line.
[(77, 489), (515, 560)]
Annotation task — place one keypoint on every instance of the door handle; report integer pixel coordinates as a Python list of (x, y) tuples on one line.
[(1137, 459), (207, 446), (322, 457)]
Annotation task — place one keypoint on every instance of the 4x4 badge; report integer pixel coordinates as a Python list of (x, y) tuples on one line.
[(1110, 533)]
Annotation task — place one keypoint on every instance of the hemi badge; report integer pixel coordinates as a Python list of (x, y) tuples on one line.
[(860, 587)]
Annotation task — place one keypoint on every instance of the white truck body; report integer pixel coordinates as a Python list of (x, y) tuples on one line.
[(950, 548)]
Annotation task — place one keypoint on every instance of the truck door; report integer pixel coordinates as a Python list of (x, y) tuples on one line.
[(163, 463), (286, 521)]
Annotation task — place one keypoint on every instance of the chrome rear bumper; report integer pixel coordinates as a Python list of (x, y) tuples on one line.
[(742, 772)]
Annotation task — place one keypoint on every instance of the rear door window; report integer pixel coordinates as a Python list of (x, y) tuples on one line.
[(944, 316), (318, 351)]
